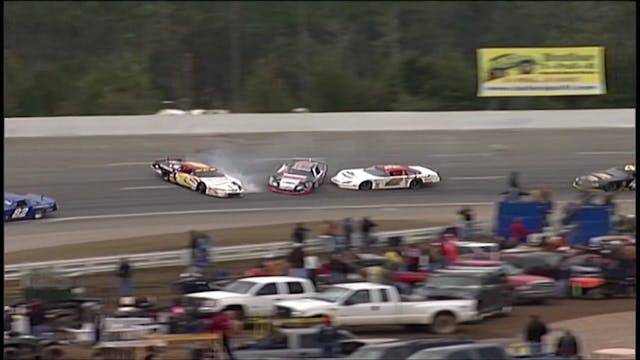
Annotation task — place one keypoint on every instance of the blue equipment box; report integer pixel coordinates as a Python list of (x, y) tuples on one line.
[(532, 213)]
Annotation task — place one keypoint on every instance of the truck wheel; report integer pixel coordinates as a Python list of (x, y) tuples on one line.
[(367, 185), (443, 323)]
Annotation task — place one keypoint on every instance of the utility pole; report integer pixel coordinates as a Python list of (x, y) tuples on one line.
[(235, 52)]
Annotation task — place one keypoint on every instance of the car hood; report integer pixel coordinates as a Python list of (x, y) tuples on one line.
[(355, 174), (42, 200), (306, 304), (524, 279)]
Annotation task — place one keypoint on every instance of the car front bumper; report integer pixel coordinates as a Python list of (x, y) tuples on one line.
[(344, 184)]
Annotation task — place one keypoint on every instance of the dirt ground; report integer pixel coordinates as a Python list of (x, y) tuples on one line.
[(167, 242)]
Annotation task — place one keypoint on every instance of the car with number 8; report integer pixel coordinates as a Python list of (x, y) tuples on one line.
[(199, 177), (27, 206), (386, 177)]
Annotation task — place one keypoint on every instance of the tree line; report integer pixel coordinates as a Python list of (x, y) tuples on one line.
[(109, 57)]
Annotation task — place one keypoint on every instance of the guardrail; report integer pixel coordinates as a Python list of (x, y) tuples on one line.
[(182, 257)]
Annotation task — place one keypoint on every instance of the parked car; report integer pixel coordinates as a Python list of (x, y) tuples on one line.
[(527, 288), (368, 304), (542, 263), (401, 350), (295, 344), (254, 296), (491, 290)]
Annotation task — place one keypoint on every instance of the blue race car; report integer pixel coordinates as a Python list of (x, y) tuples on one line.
[(29, 206)]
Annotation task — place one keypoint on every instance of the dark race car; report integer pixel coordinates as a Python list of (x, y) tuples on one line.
[(298, 176), (28, 206), (611, 180)]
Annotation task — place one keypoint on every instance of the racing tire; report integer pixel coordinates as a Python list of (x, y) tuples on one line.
[(443, 323), (201, 188), (612, 187), (365, 186), (415, 184), (166, 176), (38, 214)]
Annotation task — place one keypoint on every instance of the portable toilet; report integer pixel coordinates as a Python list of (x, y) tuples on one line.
[(532, 213), (591, 221)]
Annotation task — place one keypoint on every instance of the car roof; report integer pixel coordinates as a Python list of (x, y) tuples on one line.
[(473, 345), (475, 244), (268, 279), (462, 273), (361, 285), (420, 342), (392, 167), (13, 197), (196, 165), (299, 164)]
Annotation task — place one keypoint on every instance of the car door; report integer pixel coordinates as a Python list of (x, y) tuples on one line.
[(266, 296), (383, 308), (184, 178), (21, 211), (395, 179), (357, 309)]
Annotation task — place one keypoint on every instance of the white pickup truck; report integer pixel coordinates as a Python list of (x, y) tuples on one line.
[(251, 297), (363, 303)]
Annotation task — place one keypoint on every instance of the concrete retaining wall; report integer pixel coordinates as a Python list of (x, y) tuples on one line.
[(355, 121)]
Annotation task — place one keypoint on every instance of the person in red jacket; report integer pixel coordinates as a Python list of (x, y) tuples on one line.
[(224, 323), (518, 231)]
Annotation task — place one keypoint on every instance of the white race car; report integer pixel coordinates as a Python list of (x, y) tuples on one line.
[(386, 177), (203, 178)]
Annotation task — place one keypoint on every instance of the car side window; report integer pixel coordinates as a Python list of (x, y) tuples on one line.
[(309, 341), (360, 297), (268, 289), (384, 295), (316, 171), (21, 203), (295, 287)]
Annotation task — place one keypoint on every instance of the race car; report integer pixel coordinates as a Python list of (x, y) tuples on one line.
[(28, 206), (199, 177), (386, 177), (611, 180), (298, 176)]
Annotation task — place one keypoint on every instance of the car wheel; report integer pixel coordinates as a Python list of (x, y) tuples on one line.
[(166, 176), (505, 310), (201, 188), (415, 184), (443, 323), (367, 185), (38, 214), (609, 187)]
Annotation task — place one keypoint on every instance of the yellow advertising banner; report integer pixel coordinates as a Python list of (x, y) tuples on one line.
[(541, 71)]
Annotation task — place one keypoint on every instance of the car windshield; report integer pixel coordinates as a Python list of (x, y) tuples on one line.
[(240, 287), (209, 174), (291, 170), (453, 281), (374, 170), (331, 294)]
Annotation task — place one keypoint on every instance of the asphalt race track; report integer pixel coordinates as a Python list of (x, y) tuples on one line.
[(100, 178)]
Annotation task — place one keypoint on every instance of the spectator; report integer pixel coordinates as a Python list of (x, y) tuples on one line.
[(338, 269), (395, 259), (449, 249), (177, 310), (37, 319), (518, 231), (347, 231), (296, 261), (468, 218), (514, 190), (124, 274), (311, 265), (327, 337), (330, 236), (412, 257), (567, 345), (298, 234), (225, 324), (365, 230), (534, 332), (193, 246)]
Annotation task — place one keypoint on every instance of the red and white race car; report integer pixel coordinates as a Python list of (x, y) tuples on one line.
[(386, 177)]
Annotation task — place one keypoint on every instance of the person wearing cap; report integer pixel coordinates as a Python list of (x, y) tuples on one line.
[(327, 337)]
